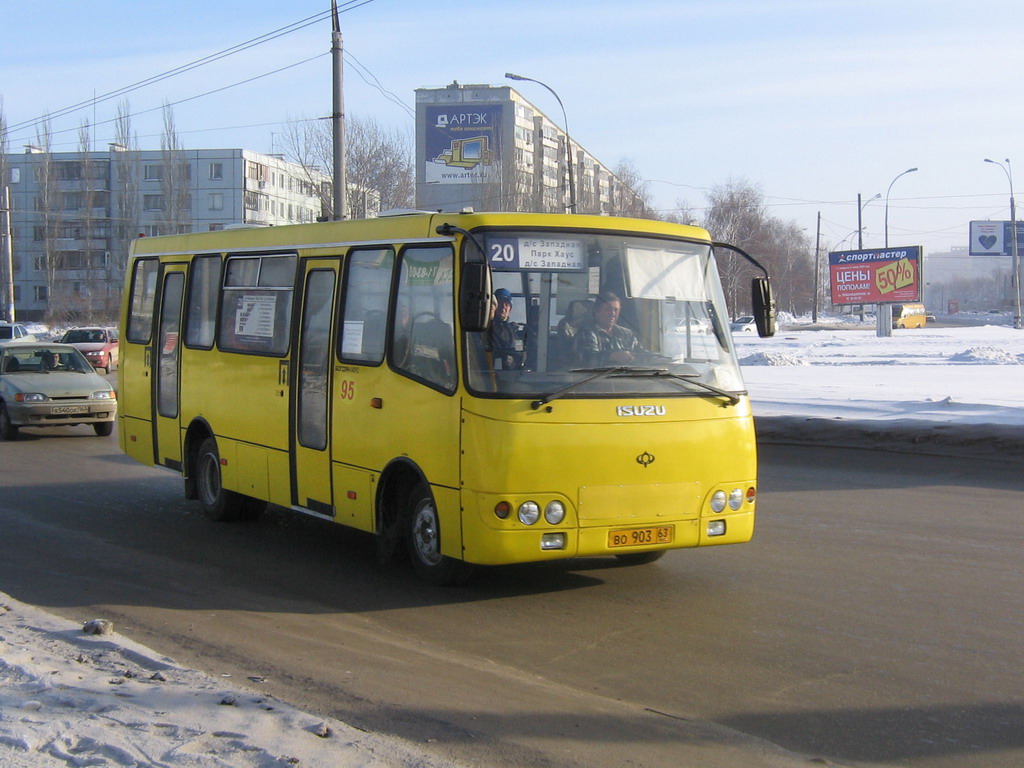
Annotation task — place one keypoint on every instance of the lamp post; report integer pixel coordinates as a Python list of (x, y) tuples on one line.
[(883, 316), (568, 140), (860, 212), (1015, 279), (909, 170)]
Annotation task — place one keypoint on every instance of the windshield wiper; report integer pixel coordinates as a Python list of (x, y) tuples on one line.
[(691, 378), (599, 373)]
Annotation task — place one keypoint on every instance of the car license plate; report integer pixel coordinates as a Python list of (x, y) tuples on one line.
[(72, 410), (636, 537)]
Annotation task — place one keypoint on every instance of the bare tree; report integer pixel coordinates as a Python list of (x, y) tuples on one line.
[(378, 161), (630, 195), (175, 182), (124, 186), (6, 279)]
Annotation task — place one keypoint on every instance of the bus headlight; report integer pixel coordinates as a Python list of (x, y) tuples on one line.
[(529, 512), (554, 512), (736, 499), (718, 501)]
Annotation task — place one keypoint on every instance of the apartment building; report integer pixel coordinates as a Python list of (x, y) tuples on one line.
[(487, 147), (74, 214)]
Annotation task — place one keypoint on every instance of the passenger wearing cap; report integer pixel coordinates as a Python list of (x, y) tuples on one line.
[(503, 334)]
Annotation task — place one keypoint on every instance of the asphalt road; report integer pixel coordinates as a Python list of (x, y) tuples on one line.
[(876, 619)]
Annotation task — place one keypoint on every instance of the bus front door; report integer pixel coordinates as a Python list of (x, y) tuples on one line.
[(166, 360), (311, 451)]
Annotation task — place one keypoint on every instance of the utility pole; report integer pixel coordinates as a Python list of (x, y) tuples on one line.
[(338, 117), (817, 270), (8, 254)]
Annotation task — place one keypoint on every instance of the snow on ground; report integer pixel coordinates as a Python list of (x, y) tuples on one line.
[(72, 699), (69, 698)]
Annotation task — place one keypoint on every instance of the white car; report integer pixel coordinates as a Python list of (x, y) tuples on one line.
[(744, 324), (15, 332)]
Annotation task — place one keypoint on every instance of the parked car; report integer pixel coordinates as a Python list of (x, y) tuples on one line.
[(51, 385), (99, 345), (15, 332), (744, 324)]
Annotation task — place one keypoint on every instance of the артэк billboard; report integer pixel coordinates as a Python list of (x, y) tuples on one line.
[(880, 276)]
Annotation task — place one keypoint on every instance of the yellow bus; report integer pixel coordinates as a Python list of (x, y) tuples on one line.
[(909, 316), (353, 371)]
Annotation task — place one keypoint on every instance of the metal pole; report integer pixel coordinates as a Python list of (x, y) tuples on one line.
[(8, 256), (338, 118), (883, 314), (568, 139), (1015, 277), (817, 270)]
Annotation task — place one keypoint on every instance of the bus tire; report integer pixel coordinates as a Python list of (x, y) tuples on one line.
[(641, 558), (423, 537), (7, 430), (218, 504)]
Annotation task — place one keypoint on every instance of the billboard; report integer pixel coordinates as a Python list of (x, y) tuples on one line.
[(994, 238), (878, 276), (462, 143)]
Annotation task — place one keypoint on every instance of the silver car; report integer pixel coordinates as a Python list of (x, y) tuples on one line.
[(51, 385)]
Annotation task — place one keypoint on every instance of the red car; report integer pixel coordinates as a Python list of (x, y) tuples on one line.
[(99, 345)]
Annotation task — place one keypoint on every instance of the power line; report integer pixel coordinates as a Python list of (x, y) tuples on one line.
[(251, 43)]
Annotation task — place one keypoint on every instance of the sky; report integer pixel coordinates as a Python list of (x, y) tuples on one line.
[(65, 694), (811, 101)]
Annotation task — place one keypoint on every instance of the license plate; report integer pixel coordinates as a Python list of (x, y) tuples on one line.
[(73, 410), (636, 537)]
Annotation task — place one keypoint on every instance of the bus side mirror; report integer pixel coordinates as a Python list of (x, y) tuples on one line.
[(763, 302), (475, 296)]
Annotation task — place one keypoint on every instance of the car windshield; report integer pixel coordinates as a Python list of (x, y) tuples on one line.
[(645, 313), (44, 359), (84, 335)]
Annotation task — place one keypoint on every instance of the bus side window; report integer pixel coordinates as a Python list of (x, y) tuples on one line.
[(425, 347), (364, 317)]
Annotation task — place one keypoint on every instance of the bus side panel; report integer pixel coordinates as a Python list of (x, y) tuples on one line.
[(354, 492), (136, 438)]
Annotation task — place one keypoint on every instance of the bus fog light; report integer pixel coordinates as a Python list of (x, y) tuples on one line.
[(736, 499), (716, 528), (529, 512), (554, 512), (718, 501), (552, 541)]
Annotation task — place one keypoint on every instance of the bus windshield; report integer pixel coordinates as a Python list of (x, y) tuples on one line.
[(594, 314)]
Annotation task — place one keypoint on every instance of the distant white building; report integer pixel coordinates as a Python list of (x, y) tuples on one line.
[(73, 214), (956, 281)]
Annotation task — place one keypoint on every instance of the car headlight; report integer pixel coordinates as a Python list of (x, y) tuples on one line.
[(30, 397), (554, 512), (103, 394), (529, 512)]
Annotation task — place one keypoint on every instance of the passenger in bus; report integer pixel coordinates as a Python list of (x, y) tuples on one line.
[(503, 334), (602, 341)]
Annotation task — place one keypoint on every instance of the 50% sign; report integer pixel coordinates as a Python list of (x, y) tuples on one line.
[(895, 275)]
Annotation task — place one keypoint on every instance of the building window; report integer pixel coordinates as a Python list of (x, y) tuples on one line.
[(216, 171), (154, 172), (216, 201), (40, 292), (15, 175), (216, 227), (152, 202)]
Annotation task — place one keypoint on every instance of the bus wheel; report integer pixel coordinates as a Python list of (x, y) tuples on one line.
[(423, 535), (7, 430), (218, 504), (641, 558)]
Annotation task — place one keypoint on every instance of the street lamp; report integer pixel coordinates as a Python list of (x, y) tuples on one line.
[(909, 170), (883, 316), (860, 226), (1015, 280), (568, 140)]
